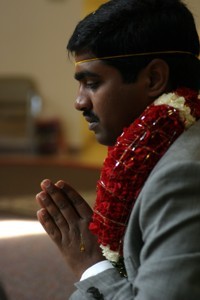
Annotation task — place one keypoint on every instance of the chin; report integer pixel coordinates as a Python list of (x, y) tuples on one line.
[(106, 140)]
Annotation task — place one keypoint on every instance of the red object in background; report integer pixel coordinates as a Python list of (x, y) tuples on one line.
[(48, 136)]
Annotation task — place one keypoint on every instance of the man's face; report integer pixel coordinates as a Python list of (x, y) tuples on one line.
[(108, 104)]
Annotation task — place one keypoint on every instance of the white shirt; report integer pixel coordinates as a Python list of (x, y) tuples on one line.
[(96, 269)]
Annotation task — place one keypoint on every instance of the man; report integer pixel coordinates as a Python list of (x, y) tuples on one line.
[(138, 72)]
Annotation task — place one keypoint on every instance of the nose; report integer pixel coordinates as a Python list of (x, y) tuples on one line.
[(83, 102)]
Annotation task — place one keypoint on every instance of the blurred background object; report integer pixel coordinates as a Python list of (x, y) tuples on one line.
[(20, 105), (48, 136), (34, 35)]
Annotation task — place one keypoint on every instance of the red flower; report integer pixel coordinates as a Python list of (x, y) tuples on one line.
[(130, 162)]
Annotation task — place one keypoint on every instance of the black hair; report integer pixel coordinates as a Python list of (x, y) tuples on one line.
[(138, 26)]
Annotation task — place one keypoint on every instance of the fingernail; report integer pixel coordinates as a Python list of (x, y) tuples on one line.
[(60, 184), (43, 212), (44, 215), (42, 196), (46, 183)]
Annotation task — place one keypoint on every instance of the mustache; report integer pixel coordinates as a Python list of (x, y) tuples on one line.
[(90, 114)]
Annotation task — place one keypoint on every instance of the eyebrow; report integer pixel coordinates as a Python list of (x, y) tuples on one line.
[(81, 75)]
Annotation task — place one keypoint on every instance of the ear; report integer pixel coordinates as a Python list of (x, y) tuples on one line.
[(158, 77)]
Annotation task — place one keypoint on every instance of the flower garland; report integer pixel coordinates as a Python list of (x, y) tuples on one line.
[(131, 160)]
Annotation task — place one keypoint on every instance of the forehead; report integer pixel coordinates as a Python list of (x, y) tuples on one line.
[(87, 66), (83, 55)]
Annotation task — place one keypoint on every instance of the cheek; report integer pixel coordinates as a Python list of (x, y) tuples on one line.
[(103, 104), (111, 110), (112, 103)]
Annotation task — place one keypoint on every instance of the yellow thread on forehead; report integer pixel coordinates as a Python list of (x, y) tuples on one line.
[(131, 55)]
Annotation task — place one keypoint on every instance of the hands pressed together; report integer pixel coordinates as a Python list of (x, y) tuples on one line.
[(65, 216)]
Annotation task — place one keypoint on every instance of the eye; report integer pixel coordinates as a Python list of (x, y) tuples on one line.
[(92, 85)]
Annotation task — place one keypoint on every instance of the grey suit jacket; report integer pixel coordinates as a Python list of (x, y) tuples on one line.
[(162, 241)]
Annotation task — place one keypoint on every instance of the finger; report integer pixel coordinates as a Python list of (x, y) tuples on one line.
[(55, 224), (57, 203), (81, 206), (49, 226), (39, 201), (53, 211)]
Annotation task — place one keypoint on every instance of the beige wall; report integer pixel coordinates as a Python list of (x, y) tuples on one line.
[(33, 35), (194, 6), (91, 5)]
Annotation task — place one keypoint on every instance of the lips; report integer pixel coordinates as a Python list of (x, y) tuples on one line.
[(91, 119), (93, 126), (90, 116), (92, 123)]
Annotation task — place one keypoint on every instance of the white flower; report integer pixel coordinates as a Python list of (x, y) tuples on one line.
[(113, 256), (178, 102)]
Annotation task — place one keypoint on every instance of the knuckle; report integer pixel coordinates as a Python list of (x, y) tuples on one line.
[(54, 235), (61, 222), (62, 205), (52, 190), (76, 199), (56, 217)]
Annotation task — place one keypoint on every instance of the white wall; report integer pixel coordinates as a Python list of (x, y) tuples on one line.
[(33, 35)]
